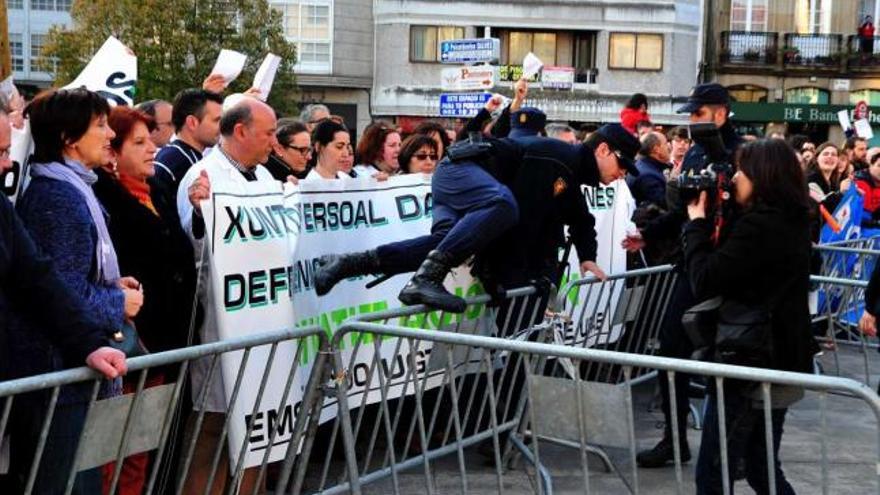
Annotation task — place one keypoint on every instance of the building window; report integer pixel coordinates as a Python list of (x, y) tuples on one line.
[(748, 93), (810, 96), (424, 41), (309, 25), (635, 51), (38, 62), (517, 44), (59, 5), (15, 4), (813, 16), (585, 58), (16, 51), (869, 96), (748, 15)]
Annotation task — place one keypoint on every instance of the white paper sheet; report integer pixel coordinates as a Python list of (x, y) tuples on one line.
[(229, 64), (265, 76), (531, 65)]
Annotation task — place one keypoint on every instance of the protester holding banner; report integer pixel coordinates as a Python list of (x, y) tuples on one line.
[(764, 262), (377, 151), (292, 151), (196, 119), (248, 131), (418, 155), (71, 139), (332, 150)]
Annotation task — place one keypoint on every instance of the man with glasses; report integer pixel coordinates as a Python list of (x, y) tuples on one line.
[(313, 114), (291, 154), (163, 128)]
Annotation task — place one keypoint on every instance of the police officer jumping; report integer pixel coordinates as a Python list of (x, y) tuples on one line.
[(474, 204), (707, 103)]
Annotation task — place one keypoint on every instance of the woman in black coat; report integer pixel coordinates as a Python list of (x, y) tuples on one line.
[(147, 236), (764, 259), (152, 247)]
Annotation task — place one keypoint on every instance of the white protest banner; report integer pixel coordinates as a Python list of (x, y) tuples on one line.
[(843, 118), (265, 76), (264, 245), (863, 129), (229, 64), (22, 145), (477, 78), (112, 73), (612, 206), (531, 65)]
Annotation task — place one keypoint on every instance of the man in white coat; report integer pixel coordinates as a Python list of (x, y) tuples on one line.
[(247, 131)]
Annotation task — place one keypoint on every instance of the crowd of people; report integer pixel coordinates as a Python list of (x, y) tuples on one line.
[(105, 245)]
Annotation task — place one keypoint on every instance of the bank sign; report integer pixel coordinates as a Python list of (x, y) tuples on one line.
[(470, 51), (791, 112)]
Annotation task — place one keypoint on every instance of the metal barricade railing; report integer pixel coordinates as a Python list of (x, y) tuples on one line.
[(624, 313), (854, 258), (148, 419), (578, 413)]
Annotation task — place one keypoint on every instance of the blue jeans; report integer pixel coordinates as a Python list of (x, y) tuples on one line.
[(745, 441), (470, 209)]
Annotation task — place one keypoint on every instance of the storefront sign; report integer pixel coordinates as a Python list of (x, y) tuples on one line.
[(470, 51), (793, 112), (557, 78), (462, 104), (476, 78)]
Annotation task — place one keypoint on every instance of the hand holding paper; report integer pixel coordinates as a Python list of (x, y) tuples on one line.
[(531, 65), (229, 64)]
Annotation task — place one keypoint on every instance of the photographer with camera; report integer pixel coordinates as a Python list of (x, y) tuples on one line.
[(761, 270), (707, 104)]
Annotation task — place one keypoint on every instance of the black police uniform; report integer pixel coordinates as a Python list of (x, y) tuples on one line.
[(673, 339)]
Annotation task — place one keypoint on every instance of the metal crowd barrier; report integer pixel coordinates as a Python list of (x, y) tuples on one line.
[(580, 416), (147, 420)]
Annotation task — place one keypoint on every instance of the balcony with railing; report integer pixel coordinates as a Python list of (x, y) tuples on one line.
[(748, 48), (864, 53), (813, 51)]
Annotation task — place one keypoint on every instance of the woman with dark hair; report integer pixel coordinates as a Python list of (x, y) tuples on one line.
[(152, 247), (378, 150), (418, 155), (71, 139), (823, 178), (763, 261), (634, 112), (436, 131), (332, 144), (290, 155)]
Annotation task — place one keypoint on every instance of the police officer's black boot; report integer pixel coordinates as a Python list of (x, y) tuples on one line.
[(332, 268), (426, 286)]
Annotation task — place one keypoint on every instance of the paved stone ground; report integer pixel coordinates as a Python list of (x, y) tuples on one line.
[(852, 450)]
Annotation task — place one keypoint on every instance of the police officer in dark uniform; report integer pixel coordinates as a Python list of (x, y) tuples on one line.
[(707, 103), (547, 175)]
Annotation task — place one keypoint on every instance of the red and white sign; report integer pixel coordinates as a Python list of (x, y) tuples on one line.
[(557, 78), (475, 78)]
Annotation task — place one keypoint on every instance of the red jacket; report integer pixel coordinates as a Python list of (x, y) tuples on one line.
[(870, 189), (630, 117)]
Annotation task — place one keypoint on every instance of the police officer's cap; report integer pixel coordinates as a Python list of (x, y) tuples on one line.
[(623, 143), (527, 122), (705, 94)]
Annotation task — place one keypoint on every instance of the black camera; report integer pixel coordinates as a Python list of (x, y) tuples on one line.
[(717, 173)]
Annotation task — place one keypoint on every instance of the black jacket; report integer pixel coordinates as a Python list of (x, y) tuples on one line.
[(157, 253), (649, 187), (546, 183), (32, 293), (475, 125), (279, 170), (765, 257), (669, 225)]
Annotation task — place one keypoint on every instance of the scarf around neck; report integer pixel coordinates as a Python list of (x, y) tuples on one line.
[(139, 189), (81, 178)]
